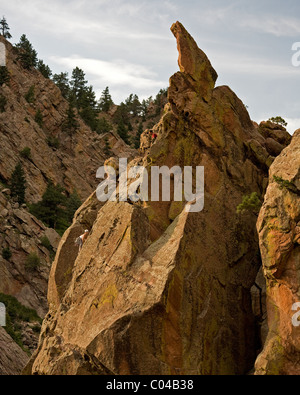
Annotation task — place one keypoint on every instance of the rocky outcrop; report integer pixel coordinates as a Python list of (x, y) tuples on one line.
[(279, 234), (23, 234), (12, 357), (73, 161), (157, 289)]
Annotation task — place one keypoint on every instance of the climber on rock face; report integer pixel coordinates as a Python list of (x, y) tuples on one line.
[(81, 239)]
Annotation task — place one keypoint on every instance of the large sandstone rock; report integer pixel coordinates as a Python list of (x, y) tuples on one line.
[(157, 289), (279, 233)]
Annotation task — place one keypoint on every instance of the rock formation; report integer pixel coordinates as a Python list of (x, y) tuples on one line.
[(279, 235), (157, 289), (23, 234), (74, 163), (12, 357)]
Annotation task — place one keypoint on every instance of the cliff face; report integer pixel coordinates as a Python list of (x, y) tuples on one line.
[(23, 234), (157, 289), (74, 163), (12, 357), (279, 234)]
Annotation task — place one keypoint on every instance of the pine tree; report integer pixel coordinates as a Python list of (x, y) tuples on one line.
[(123, 132), (105, 101), (70, 125), (44, 69), (137, 138), (62, 82), (51, 209), (78, 84), (72, 205), (17, 184), (4, 28), (27, 55)]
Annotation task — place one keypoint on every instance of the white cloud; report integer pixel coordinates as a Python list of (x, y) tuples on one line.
[(293, 124), (116, 72), (277, 26)]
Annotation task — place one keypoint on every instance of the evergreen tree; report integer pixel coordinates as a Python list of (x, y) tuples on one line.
[(44, 69), (123, 132), (78, 85), (4, 28), (17, 184), (105, 101), (51, 209), (72, 205), (27, 55), (107, 149), (103, 126), (137, 138), (62, 82)]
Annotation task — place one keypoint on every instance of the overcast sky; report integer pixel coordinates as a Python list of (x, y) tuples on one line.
[(127, 45)]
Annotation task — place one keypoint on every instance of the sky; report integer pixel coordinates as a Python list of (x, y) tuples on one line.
[(127, 45)]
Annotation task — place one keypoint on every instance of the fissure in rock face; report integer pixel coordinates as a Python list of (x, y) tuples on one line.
[(156, 289)]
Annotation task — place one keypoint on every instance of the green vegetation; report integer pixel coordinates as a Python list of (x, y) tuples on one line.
[(123, 132), (26, 54), (105, 101), (30, 97), (107, 149), (33, 261), (56, 210), (3, 102), (104, 126), (26, 153), (250, 203), (4, 28), (279, 120), (6, 253), (16, 313), (53, 142), (44, 69), (17, 184), (62, 82), (137, 137), (39, 118), (4, 75), (70, 125), (286, 184)]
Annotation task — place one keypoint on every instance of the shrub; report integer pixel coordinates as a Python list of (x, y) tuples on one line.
[(32, 261), (53, 142), (15, 313), (250, 203), (26, 153), (30, 97), (286, 184), (6, 253), (39, 118)]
